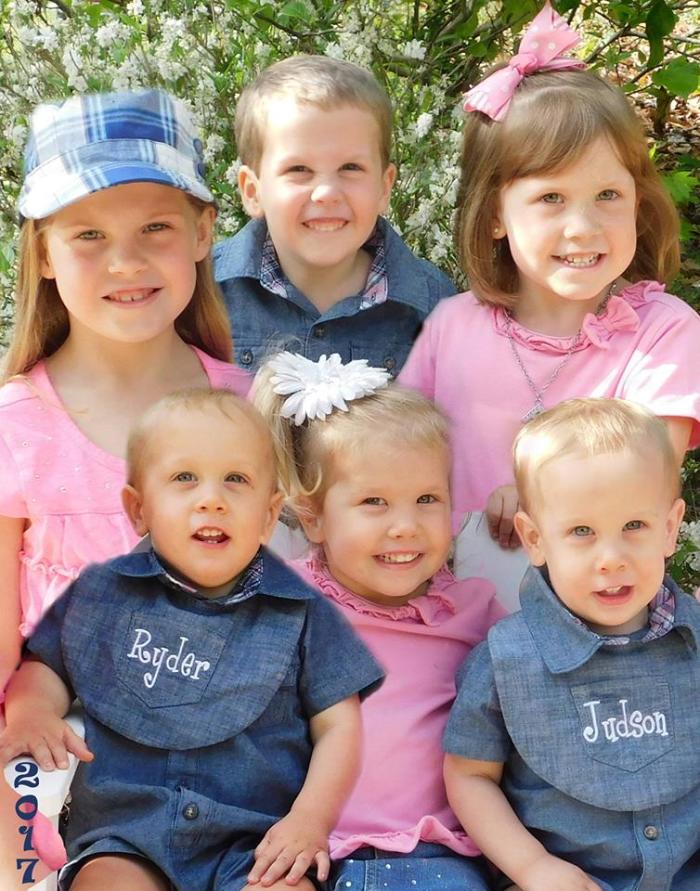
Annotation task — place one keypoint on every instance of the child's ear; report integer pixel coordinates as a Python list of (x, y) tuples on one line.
[(311, 519), (530, 537), (388, 180), (249, 187), (498, 230), (133, 508), (673, 524), (273, 515), (204, 232)]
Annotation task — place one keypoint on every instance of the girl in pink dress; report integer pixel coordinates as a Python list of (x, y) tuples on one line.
[(566, 233), (366, 469), (115, 307)]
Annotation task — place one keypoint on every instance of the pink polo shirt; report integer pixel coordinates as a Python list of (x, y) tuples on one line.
[(644, 347), (400, 799), (66, 486)]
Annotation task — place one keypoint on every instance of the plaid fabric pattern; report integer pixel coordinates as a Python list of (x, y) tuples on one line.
[(245, 587), (376, 287), (88, 143)]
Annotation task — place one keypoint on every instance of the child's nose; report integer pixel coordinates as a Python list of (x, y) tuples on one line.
[(326, 191), (126, 260), (210, 498), (611, 558), (403, 525), (582, 220)]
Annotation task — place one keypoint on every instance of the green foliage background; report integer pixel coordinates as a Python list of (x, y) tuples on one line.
[(425, 53)]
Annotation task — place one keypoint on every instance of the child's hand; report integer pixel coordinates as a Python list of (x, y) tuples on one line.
[(501, 507), (549, 873), (289, 848), (44, 736)]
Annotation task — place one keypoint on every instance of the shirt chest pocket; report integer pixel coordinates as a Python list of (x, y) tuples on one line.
[(625, 725), (165, 662)]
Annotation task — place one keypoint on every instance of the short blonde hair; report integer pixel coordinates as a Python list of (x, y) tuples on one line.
[(309, 80), (553, 118), (590, 427), (41, 321), (196, 399), (305, 454)]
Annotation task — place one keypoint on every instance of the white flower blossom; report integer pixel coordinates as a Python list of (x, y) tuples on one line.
[(231, 175), (136, 8), (110, 33), (213, 146), (422, 126), (413, 49)]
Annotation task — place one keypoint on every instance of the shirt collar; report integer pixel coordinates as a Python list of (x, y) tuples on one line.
[(266, 574), (241, 257), (574, 643)]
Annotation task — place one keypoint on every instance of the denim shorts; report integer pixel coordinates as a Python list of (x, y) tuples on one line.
[(428, 867)]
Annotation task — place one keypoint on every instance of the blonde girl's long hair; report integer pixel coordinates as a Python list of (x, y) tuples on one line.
[(305, 455), (41, 321)]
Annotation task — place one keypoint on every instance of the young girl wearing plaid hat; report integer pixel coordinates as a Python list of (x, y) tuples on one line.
[(563, 225), (115, 307)]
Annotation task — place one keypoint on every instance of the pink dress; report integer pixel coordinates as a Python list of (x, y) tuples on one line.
[(644, 347), (66, 486), (400, 799)]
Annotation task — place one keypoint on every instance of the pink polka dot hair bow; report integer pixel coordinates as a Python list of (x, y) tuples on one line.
[(547, 38)]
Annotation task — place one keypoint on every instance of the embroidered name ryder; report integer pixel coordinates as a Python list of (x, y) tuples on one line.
[(177, 662), (624, 725)]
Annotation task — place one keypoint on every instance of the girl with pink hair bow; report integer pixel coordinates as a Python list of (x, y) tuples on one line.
[(566, 235)]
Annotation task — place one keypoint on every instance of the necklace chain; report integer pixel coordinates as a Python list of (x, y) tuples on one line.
[(538, 392)]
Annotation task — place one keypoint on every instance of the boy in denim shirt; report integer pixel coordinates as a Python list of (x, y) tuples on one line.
[(222, 724), (583, 706), (318, 270)]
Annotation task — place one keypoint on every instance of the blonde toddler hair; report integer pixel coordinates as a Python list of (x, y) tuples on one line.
[(590, 427), (305, 454)]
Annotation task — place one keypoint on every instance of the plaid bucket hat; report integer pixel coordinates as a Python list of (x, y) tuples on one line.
[(91, 142)]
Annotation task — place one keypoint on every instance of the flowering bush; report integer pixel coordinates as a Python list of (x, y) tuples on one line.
[(426, 55)]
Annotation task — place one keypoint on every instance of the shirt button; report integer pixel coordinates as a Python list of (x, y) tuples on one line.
[(651, 833), (320, 331), (390, 363), (191, 812), (246, 357)]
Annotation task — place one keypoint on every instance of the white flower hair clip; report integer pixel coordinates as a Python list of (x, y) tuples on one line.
[(315, 389)]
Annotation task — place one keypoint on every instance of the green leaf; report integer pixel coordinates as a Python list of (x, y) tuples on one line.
[(680, 77), (660, 20), (682, 185), (293, 11)]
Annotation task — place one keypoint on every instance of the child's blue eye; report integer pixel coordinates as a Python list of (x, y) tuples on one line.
[(89, 235), (582, 531), (552, 198), (351, 166), (608, 195), (374, 501), (235, 478), (633, 525), (426, 499), (298, 168), (185, 476), (156, 227)]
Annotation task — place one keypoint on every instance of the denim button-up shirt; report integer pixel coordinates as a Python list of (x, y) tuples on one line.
[(264, 322), (194, 702), (599, 741)]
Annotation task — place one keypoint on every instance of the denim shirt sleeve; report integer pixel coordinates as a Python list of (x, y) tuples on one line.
[(476, 728), (45, 642), (335, 662)]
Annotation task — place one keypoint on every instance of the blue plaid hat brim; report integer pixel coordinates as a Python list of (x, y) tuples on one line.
[(89, 143)]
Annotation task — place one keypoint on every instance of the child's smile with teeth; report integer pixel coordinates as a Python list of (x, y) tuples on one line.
[(404, 557), (580, 261)]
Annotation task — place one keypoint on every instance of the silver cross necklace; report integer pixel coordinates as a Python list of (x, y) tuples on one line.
[(538, 392)]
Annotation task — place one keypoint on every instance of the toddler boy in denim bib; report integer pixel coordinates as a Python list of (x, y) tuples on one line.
[(318, 270), (573, 758), (211, 676)]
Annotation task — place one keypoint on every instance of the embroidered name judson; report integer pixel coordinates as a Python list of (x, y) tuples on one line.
[(189, 666), (624, 725)]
